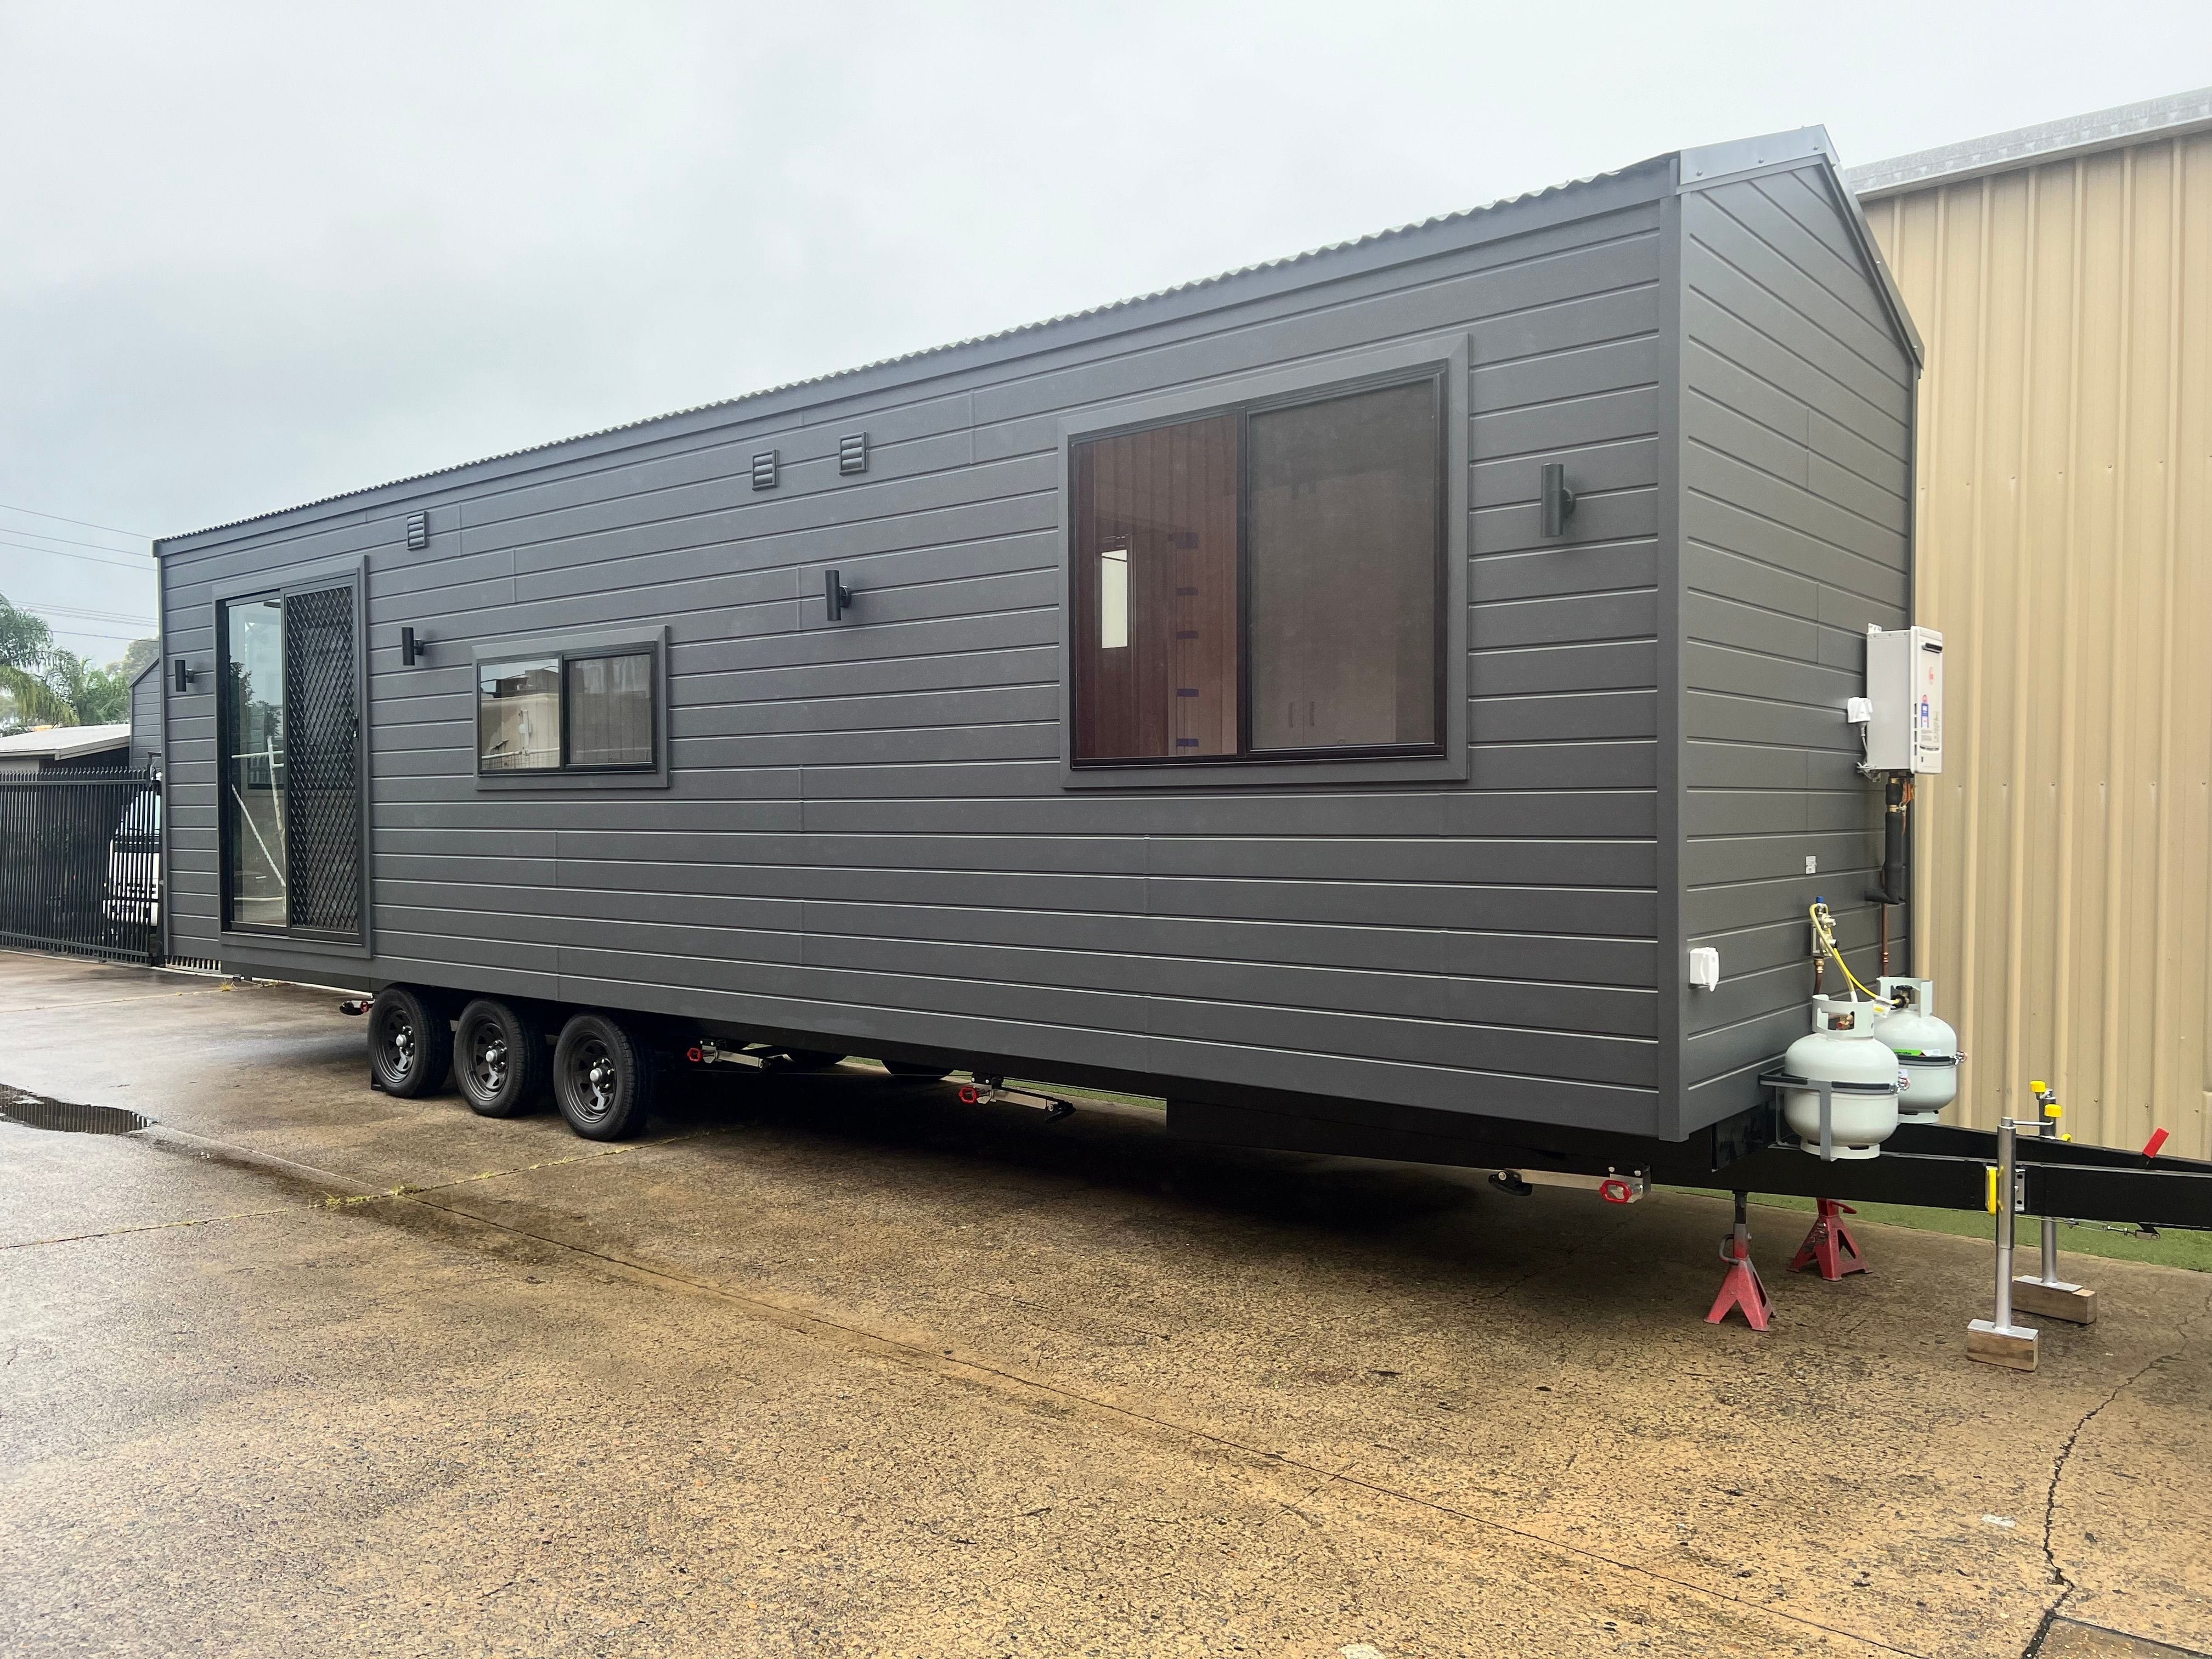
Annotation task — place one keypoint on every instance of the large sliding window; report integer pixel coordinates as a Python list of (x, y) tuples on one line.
[(289, 721), (1263, 583)]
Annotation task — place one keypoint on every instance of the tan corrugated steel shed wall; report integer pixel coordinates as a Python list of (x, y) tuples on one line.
[(2065, 550)]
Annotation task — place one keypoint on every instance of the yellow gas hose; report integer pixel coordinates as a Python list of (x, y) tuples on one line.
[(1824, 931)]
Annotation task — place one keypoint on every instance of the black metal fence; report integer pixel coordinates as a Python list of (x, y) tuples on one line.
[(81, 864)]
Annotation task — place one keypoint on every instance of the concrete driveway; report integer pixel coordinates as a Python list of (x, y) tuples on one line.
[(835, 1365)]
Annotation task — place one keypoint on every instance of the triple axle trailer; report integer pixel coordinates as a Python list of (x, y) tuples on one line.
[(1398, 700)]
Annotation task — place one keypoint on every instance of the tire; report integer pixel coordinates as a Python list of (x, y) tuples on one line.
[(914, 1071), (605, 1081), (499, 1059), (410, 1047), (809, 1060)]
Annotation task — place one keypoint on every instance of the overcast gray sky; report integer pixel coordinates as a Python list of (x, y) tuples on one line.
[(252, 255)]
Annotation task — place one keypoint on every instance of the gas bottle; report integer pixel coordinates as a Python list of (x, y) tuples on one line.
[(1926, 1047), (1861, 1071)]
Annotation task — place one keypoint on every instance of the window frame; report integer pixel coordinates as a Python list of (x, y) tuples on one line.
[(565, 647), (1444, 360), (280, 585)]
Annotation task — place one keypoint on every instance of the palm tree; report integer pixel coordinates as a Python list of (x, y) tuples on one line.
[(41, 684), (26, 644)]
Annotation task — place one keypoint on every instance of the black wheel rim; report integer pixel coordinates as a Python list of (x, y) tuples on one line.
[(591, 1081), (398, 1046), (487, 1058)]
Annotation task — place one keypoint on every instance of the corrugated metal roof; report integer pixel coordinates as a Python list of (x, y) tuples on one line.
[(64, 742), (2078, 135), (1329, 251)]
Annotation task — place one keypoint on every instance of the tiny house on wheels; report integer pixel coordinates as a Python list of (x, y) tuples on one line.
[(1345, 697)]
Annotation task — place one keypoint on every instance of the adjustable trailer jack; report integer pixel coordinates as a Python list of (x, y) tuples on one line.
[(2044, 1294)]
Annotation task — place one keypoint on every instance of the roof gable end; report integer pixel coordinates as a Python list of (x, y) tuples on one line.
[(1807, 150)]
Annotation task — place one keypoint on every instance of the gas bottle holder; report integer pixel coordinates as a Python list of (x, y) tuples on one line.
[(1778, 1081), (1791, 1080)]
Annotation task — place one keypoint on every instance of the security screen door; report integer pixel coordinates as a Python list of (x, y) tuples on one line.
[(291, 766)]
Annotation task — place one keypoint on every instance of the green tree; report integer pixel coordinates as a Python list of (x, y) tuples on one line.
[(27, 644), (41, 684), (94, 696), (135, 656)]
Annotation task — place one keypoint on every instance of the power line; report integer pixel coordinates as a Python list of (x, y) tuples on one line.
[(96, 634), (64, 553), (86, 523), (94, 628), (48, 536), (93, 615)]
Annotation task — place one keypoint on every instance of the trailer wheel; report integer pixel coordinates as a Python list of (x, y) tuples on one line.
[(809, 1059), (500, 1059), (914, 1071), (410, 1047), (604, 1079)]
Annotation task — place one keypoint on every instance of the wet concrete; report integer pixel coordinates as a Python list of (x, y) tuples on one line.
[(829, 1364)]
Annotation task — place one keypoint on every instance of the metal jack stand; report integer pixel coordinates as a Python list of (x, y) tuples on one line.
[(1999, 1341), (2045, 1293), (1830, 1245), (1740, 1286)]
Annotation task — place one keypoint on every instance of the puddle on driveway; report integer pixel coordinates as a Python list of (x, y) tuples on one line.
[(39, 1112)]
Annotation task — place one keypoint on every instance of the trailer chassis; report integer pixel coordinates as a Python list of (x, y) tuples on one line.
[(1936, 1166)]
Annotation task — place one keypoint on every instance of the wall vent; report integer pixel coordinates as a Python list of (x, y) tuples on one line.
[(418, 530), (764, 469), (852, 454)]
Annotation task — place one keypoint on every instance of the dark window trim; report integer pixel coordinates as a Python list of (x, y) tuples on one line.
[(1445, 360), (656, 711), (566, 767), (573, 645), (346, 572)]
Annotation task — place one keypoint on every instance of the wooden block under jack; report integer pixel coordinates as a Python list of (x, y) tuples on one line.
[(2011, 1345), (2055, 1299)]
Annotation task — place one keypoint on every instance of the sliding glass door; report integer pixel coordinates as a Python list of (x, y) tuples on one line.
[(289, 730)]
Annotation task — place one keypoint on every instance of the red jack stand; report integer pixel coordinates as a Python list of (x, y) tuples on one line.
[(1830, 1244), (1741, 1287)]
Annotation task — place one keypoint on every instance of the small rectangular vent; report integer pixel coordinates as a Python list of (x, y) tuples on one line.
[(764, 469), (418, 530), (852, 454)]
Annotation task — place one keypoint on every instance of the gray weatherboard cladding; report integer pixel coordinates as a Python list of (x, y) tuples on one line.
[(865, 836), (146, 715)]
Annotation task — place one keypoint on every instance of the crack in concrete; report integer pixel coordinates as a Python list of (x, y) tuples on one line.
[(2058, 1575), (333, 1191), (895, 1348), (798, 1317)]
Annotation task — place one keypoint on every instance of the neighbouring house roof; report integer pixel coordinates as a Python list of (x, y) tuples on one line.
[(2174, 117), (64, 742)]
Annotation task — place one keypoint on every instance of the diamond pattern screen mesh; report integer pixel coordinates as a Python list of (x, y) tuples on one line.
[(322, 719)]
